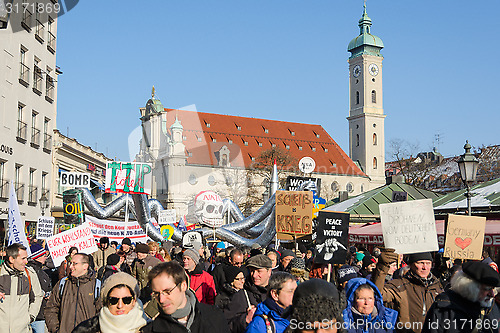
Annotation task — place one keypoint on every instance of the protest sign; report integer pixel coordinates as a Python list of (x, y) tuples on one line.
[(331, 237), (318, 204), (409, 226), (190, 238), (167, 231), (45, 227), (73, 207), (115, 230), (464, 237), (81, 237), (128, 177), (293, 183), (294, 213), (74, 179), (166, 216)]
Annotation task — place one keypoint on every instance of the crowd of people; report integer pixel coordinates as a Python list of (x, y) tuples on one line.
[(127, 287)]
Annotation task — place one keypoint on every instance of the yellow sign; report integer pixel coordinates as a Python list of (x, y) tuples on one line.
[(167, 231)]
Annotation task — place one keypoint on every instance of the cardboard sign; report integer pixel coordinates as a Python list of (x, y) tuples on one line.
[(115, 230), (409, 226), (331, 237), (45, 227), (294, 212), (81, 237), (74, 179), (464, 237), (293, 183), (166, 216), (128, 178)]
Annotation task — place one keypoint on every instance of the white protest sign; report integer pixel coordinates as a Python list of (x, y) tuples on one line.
[(409, 226), (190, 238), (74, 179), (167, 216), (45, 227), (115, 230), (80, 237)]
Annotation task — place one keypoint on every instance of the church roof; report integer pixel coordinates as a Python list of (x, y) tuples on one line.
[(246, 138), (365, 43)]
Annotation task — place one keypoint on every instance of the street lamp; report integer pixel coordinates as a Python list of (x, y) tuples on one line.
[(467, 164), (44, 203)]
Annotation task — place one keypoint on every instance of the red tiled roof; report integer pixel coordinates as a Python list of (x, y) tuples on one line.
[(250, 136)]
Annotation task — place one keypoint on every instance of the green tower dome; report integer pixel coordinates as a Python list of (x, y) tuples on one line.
[(365, 43)]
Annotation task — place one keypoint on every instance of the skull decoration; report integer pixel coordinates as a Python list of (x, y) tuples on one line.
[(208, 208)]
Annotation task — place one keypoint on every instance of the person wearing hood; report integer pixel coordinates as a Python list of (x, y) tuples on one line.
[(122, 310), (282, 285), (235, 279), (200, 281), (365, 312)]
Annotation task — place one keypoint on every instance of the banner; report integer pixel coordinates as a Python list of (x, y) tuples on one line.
[(409, 226), (80, 237), (73, 207), (115, 230), (17, 234), (166, 216), (294, 212), (464, 237), (332, 237), (128, 178), (45, 227)]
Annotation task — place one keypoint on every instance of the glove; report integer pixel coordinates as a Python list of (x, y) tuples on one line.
[(387, 256)]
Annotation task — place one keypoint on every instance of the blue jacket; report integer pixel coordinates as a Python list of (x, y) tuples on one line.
[(386, 318), (258, 324)]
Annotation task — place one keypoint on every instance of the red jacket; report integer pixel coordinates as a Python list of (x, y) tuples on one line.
[(203, 285)]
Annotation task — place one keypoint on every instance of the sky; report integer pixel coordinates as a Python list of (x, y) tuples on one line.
[(282, 60)]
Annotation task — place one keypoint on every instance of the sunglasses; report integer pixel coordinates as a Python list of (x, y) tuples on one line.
[(126, 300)]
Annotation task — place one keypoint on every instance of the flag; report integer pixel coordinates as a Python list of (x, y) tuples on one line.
[(16, 225), (182, 224)]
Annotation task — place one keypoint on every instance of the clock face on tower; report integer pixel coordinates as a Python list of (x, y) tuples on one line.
[(356, 70), (373, 69)]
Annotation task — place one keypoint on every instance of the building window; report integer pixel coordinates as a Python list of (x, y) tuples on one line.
[(40, 28), (192, 179), (266, 130), (374, 139), (37, 77), (357, 97), (24, 73), (374, 96), (35, 132), (21, 125), (374, 163), (44, 184), (51, 41), (49, 86), (26, 22), (47, 137), (211, 180), (199, 139), (349, 187), (335, 186), (362, 188), (32, 189), (3, 182), (18, 186), (357, 140), (300, 147)]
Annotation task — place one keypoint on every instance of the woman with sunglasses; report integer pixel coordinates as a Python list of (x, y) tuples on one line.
[(122, 311), (234, 282)]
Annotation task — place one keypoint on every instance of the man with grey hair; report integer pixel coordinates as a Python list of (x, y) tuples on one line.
[(469, 305)]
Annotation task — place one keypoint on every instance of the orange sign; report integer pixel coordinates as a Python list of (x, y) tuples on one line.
[(294, 212), (464, 237)]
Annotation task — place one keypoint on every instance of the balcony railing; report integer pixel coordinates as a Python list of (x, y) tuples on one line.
[(26, 22), (4, 189), (33, 194), (37, 80), (21, 131), (40, 30), (49, 89), (51, 43), (35, 137), (19, 187), (47, 142), (24, 75)]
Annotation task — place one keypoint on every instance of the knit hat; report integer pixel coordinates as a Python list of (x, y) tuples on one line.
[(119, 278), (142, 248), (368, 260), (230, 273), (297, 263), (104, 240), (359, 256), (287, 253), (482, 273), (126, 241), (414, 257), (221, 245), (346, 273), (192, 254), (113, 259), (37, 251)]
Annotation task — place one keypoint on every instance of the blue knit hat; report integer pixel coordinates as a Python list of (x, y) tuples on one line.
[(37, 251)]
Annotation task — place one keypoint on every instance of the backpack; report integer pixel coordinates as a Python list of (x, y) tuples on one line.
[(270, 327), (97, 287)]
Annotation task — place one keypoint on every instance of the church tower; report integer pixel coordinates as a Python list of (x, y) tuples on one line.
[(366, 112)]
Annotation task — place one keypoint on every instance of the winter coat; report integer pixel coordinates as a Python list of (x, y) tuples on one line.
[(223, 298), (410, 295), (237, 310), (453, 313), (218, 274), (106, 271), (141, 269), (207, 319), (203, 285), (78, 303), (22, 299), (63, 270), (383, 321), (45, 284), (101, 256), (273, 312)]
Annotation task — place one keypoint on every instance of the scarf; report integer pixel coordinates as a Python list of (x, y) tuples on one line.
[(425, 281), (188, 310), (130, 322), (373, 314), (272, 305)]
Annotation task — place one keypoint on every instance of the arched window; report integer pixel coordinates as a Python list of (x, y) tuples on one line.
[(357, 97), (374, 96), (357, 140), (374, 163), (374, 139)]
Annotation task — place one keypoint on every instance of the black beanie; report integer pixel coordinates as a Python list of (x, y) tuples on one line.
[(230, 273), (126, 241), (414, 257), (368, 260), (113, 259)]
